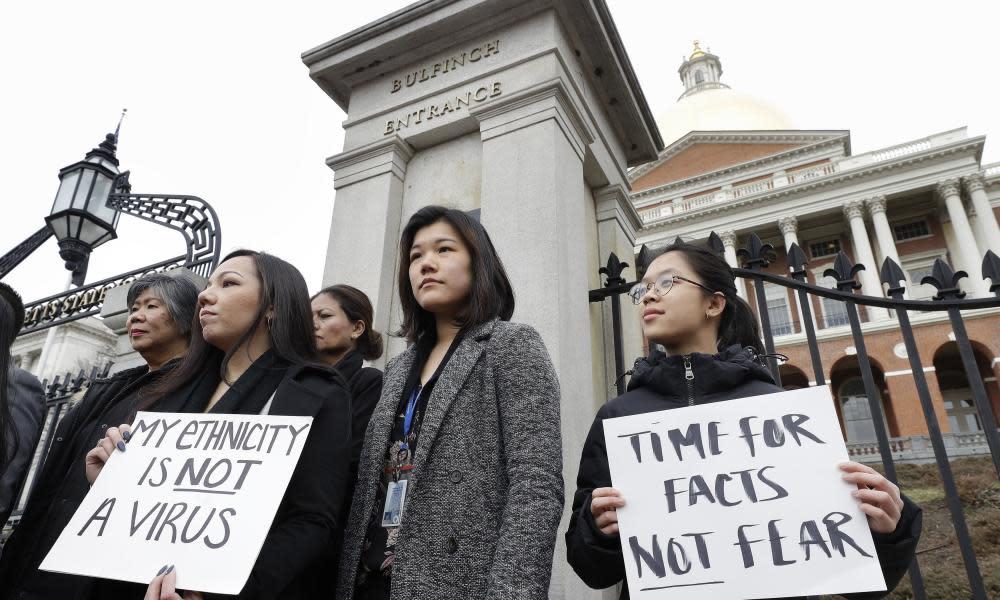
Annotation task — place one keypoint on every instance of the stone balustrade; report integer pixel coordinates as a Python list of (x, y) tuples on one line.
[(918, 448)]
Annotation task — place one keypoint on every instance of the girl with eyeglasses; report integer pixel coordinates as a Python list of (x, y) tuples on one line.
[(688, 303)]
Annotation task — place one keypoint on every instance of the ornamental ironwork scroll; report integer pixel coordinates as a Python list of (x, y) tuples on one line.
[(191, 216)]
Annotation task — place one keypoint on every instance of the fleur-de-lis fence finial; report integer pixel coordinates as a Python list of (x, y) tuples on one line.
[(613, 270), (893, 276), (797, 262), (715, 244), (945, 279), (758, 255), (991, 271), (844, 272)]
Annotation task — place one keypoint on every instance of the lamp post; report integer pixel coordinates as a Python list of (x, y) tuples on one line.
[(80, 218)]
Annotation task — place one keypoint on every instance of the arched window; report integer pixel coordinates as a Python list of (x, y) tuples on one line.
[(699, 77), (857, 413), (958, 404)]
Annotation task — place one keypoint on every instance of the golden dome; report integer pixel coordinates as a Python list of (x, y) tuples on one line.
[(697, 51), (721, 109)]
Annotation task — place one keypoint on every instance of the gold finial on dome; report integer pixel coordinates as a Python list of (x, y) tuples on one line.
[(697, 51)]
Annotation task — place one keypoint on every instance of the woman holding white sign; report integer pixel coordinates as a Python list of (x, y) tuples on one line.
[(253, 352), (713, 352), (459, 488), (161, 308)]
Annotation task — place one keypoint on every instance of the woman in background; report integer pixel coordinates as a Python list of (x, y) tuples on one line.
[(161, 309), (342, 319)]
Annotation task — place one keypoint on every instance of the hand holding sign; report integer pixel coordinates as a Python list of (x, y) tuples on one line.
[(164, 587), (880, 498), (200, 490), (604, 505), (743, 499)]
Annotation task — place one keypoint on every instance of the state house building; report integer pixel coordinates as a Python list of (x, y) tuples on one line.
[(733, 164)]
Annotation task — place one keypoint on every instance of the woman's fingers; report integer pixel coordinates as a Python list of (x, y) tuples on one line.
[(879, 498), (168, 591), (606, 518), (114, 436), (604, 499), (153, 590)]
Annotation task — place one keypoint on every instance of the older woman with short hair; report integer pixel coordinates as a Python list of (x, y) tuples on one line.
[(161, 311)]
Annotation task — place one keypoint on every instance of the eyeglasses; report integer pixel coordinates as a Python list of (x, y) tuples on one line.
[(660, 287)]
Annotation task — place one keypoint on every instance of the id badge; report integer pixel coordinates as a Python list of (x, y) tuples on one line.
[(395, 496)]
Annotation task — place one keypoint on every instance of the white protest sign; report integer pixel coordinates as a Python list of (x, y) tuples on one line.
[(739, 499), (198, 491)]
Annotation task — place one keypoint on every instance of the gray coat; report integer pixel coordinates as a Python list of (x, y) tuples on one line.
[(486, 491)]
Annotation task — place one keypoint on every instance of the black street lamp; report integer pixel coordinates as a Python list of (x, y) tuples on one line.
[(80, 218)]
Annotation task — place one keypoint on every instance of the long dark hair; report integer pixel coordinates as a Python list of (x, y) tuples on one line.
[(738, 324), (491, 295), (357, 307), (11, 319), (289, 331)]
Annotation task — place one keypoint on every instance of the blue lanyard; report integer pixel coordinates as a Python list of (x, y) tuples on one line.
[(411, 407)]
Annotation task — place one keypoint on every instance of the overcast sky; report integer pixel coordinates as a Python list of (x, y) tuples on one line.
[(221, 106)]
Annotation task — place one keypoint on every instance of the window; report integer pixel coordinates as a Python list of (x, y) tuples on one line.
[(834, 311), (961, 411), (858, 422), (918, 291), (699, 77), (911, 231), (777, 309), (827, 248)]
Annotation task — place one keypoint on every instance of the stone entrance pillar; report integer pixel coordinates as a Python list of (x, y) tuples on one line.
[(527, 111)]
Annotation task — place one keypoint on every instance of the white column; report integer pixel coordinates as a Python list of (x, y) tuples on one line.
[(968, 259), (883, 233), (989, 238), (729, 243), (534, 197), (364, 234), (870, 285), (789, 227)]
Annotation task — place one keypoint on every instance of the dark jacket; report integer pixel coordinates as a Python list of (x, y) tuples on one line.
[(365, 384), (293, 563), (60, 487), (27, 410), (658, 383)]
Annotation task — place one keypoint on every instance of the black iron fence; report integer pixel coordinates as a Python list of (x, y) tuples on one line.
[(757, 256), (60, 395)]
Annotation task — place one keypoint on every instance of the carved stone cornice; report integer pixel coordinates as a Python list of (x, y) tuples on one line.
[(802, 189), (854, 209), (728, 239), (974, 182), (948, 188), (875, 205), (788, 225)]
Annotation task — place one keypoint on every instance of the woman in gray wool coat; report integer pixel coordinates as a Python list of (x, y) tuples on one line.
[(459, 488)]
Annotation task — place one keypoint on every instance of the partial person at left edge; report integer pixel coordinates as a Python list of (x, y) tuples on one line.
[(22, 407), (161, 310)]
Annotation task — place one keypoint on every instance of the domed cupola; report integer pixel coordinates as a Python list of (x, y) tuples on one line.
[(701, 71)]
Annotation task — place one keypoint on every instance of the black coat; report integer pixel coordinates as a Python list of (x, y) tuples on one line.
[(27, 411), (658, 383), (293, 563), (366, 387), (61, 486)]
